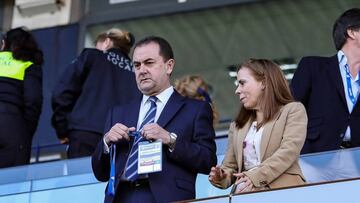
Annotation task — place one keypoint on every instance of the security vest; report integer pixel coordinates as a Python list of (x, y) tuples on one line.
[(12, 68)]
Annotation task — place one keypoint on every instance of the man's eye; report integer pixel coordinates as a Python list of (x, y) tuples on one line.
[(136, 65)]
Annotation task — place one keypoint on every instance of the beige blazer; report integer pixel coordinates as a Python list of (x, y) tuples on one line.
[(282, 139)]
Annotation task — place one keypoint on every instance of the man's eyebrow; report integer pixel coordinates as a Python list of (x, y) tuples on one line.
[(146, 60)]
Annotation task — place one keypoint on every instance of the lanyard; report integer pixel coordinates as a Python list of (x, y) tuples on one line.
[(353, 97), (111, 186)]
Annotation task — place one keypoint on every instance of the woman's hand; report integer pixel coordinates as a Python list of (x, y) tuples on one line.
[(243, 183), (216, 174)]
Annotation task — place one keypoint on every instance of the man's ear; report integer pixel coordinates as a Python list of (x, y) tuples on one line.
[(170, 66), (350, 33)]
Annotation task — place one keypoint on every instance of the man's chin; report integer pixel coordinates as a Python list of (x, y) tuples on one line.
[(146, 90)]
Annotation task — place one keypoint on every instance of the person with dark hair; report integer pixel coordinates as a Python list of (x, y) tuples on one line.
[(329, 88), (195, 87), (159, 119), (267, 135), (95, 81), (20, 95)]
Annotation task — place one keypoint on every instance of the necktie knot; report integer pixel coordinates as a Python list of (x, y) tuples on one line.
[(153, 100)]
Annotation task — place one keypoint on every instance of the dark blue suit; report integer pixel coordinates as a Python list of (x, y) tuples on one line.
[(195, 150), (317, 83)]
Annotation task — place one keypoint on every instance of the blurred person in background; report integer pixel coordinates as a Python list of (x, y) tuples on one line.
[(267, 135), (20, 95), (195, 87), (95, 81)]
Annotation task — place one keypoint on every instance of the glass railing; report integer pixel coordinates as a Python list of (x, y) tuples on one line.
[(72, 180)]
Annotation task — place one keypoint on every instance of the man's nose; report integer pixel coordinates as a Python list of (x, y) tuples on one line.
[(142, 68), (237, 91)]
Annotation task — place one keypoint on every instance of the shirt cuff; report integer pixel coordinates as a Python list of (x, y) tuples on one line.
[(106, 147)]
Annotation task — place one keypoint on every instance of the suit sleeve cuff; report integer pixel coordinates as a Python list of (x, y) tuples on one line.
[(106, 147)]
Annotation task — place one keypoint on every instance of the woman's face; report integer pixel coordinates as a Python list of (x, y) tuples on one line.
[(248, 89)]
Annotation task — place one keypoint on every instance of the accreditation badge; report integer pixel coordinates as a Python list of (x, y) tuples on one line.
[(149, 157)]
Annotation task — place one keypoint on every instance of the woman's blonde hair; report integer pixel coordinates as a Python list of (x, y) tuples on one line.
[(276, 93), (195, 87), (121, 39)]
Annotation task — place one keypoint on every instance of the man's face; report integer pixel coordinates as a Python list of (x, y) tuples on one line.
[(152, 72)]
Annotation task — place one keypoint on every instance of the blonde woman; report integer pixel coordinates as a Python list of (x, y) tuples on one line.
[(91, 84), (195, 87), (267, 135)]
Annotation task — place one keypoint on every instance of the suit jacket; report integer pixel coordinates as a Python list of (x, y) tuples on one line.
[(317, 83), (281, 142), (195, 150)]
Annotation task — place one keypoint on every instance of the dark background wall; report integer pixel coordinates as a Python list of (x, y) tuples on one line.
[(59, 45)]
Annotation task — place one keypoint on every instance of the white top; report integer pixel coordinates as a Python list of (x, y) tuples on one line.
[(251, 147)]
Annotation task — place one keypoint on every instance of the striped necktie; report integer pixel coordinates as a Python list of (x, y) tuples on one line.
[(132, 162)]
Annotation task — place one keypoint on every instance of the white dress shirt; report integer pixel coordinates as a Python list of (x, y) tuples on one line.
[(354, 86), (145, 105)]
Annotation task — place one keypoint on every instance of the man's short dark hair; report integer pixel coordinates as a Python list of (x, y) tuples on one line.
[(165, 49), (350, 19)]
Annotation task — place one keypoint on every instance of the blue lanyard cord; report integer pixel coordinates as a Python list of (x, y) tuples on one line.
[(111, 186), (353, 97)]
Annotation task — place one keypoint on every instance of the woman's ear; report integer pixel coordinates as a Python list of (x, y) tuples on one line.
[(108, 43), (262, 85)]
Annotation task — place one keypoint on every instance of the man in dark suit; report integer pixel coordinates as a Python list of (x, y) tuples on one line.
[(183, 125), (329, 89)]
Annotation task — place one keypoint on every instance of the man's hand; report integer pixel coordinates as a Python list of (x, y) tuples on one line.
[(153, 131), (216, 174), (64, 140), (117, 133)]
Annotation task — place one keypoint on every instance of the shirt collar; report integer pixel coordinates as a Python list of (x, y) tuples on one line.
[(341, 57), (163, 97), (343, 61)]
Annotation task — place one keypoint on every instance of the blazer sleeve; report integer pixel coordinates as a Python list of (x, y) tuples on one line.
[(67, 91), (33, 96), (201, 150), (301, 82), (229, 164), (288, 153), (100, 161)]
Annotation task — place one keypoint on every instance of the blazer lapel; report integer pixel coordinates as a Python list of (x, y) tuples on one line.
[(239, 143), (131, 113), (266, 135), (176, 101), (336, 77)]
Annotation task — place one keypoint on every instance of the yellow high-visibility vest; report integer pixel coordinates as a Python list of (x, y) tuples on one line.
[(12, 68)]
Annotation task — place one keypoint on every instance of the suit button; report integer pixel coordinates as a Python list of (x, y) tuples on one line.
[(263, 182)]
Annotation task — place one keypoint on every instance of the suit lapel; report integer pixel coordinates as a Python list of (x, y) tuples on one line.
[(176, 101), (266, 135), (131, 113), (336, 77), (239, 143)]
